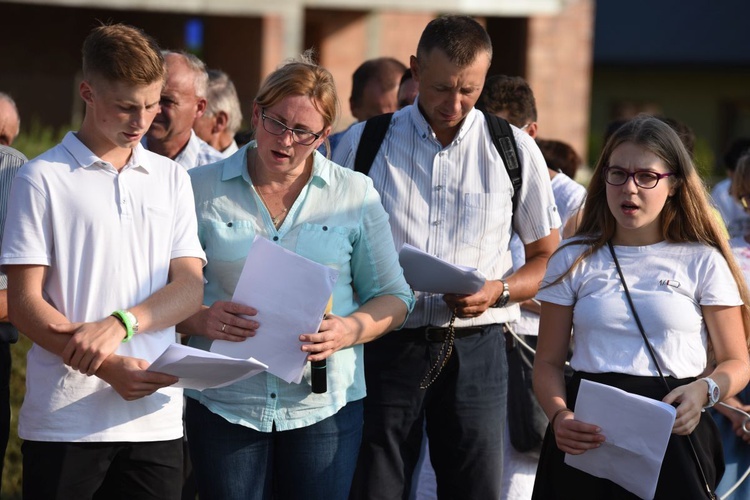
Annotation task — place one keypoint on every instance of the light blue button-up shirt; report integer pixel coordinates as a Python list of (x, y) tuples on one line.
[(336, 220)]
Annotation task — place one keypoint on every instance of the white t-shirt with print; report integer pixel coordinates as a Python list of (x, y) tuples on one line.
[(669, 282)]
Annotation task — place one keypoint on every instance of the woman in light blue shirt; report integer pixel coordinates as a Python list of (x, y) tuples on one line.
[(262, 437)]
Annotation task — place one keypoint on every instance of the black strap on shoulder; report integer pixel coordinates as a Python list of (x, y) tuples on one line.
[(369, 145), (500, 132), (502, 137)]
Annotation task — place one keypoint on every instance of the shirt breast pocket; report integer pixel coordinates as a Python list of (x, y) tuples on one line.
[(327, 245), (227, 241), (484, 217)]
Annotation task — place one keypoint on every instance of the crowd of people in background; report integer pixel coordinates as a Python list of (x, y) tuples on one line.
[(179, 184)]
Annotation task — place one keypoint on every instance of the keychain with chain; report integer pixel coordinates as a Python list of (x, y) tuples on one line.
[(445, 353)]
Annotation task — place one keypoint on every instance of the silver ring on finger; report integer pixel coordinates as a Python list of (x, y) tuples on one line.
[(223, 327)]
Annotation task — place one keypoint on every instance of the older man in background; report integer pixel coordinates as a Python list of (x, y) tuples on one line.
[(183, 100), (223, 115), (374, 91), (10, 161), (10, 121)]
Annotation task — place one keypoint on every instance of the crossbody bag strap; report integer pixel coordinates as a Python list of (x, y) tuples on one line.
[(636, 317), (656, 362)]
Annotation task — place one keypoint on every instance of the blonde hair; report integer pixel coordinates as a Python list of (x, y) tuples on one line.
[(687, 215), (302, 76)]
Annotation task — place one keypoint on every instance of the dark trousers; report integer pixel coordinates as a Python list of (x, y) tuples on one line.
[(4, 399), (679, 476), (102, 471), (464, 413)]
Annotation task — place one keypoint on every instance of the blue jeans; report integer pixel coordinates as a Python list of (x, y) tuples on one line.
[(464, 412), (235, 462)]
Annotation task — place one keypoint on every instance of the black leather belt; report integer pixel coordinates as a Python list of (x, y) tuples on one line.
[(439, 333)]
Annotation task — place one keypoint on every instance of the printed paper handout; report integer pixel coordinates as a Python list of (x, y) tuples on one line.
[(290, 294), (427, 273), (200, 369), (637, 431)]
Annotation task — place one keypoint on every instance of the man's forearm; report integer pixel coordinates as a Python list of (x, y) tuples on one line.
[(32, 317), (4, 306), (178, 300)]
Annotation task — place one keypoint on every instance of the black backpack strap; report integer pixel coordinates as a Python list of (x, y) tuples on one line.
[(369, 144), (502, 138)]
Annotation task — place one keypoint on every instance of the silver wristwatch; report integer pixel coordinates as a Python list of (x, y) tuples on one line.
[(714, 393), (504, 298)]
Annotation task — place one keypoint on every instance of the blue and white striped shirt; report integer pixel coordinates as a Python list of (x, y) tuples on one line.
[(454, 202)]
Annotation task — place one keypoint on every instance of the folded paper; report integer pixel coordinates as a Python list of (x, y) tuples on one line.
[(198, 369), (427, 273), (637, 431)]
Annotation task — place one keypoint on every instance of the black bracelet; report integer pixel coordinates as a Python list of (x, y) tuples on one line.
[(557, 413)]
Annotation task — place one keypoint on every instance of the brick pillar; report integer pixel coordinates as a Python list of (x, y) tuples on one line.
[(559, 70)]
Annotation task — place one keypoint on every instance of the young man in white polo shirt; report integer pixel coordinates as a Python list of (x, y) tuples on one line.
[(102, 258)]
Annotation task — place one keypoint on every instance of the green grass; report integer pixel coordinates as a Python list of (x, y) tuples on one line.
[(36, 138)]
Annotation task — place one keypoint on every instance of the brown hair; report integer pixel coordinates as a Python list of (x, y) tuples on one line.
[(386, 71), (306, 78), (511, 96), (461, 38), (741, 178), (687, 215), (560, 156), (122, 53)]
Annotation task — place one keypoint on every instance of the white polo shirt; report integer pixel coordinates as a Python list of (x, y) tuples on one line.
[(108, 239)]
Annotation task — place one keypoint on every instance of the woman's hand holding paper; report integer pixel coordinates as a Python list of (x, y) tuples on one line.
[(226, 320), (576, 437)]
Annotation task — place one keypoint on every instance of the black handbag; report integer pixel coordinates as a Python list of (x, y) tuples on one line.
[(702, 475)]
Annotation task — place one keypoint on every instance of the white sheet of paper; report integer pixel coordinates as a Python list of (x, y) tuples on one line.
[(290, 293), (200, 369), (427, 273), (637, 431)]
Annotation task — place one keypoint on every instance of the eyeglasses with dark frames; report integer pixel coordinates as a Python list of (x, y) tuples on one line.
[(300, 136), (646, 179)]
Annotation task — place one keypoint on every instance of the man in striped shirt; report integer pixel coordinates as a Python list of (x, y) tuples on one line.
[(10, 161), (444, 185)]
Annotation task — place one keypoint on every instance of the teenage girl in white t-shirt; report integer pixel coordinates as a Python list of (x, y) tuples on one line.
[(647, 200)]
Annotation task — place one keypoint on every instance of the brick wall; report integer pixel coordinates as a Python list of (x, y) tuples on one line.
[(559, 70)]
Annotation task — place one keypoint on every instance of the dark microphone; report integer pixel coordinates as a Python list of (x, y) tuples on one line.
[(318, 374)]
